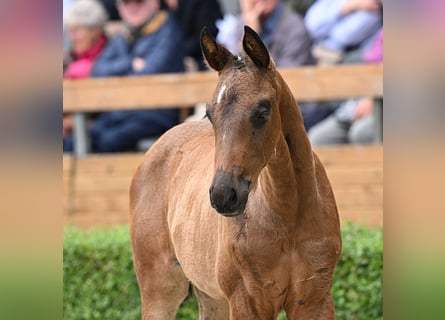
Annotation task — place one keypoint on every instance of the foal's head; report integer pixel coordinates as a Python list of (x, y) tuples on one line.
[(245, 117)]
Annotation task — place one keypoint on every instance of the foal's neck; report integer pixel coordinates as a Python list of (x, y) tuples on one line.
[(289, 178)]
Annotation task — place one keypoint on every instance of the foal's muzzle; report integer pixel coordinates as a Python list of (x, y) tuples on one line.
[(228, 193)]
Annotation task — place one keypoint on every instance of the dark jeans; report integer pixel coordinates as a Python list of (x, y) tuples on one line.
[(119, 131), (314, 112)]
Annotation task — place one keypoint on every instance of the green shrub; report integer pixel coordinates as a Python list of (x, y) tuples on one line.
[(98, 277), (358, 278), (99, 281)]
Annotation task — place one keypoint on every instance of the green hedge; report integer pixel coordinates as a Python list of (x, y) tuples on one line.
[(99, 282)]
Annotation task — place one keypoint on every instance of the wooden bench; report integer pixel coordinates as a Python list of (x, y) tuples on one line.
[(188, 89), (96, 186)]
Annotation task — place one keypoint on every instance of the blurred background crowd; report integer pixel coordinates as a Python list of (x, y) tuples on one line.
[(140, 37)]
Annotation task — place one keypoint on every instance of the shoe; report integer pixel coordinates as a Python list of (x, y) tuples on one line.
[(326, 56)]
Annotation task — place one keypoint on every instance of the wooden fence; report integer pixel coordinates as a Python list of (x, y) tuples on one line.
[(96, 186)]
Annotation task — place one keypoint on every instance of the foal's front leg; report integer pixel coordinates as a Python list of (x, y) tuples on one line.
[(163, 285), (321, 311), (246, 307), (210, 309)]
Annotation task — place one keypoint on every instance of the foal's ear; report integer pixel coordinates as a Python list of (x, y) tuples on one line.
[(255, 48), (215, 54)]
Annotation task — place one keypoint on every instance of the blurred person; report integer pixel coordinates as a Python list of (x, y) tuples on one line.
[(284, 34), (348, 26), (84, 22), (339, 26), (281, 29), (192, 16), (301, 6), (152, 44), (353, 121), (66, 42), (111, 8), (374, 54)]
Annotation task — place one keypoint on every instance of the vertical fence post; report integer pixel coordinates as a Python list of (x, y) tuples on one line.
[(80, 135), (378, 117)]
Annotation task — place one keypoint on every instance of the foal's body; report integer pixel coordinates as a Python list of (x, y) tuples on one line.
[(278, 252)]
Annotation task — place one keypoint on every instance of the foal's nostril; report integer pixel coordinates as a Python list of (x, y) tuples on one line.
[(233, 196)]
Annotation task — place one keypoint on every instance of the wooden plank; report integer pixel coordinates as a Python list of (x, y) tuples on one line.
[(100, 201), (67, 174), (335, 82), (367, 215), (186, 89), (109, 163), (94, 183), (67, 162), (354, 175), (111, 198), (115, 178), (350, 154), (97, 219), (100, 195), (68, 181), (359, 194), (345, 155)]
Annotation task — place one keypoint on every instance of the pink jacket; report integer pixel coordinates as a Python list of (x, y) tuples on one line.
[(375, 52), (83, 62)]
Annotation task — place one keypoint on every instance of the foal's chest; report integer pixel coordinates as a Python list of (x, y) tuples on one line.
[(285, 270)]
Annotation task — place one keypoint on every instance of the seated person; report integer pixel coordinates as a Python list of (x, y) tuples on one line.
[(339, 26), (152, 44), (284, 34), (281, 29), (193, 15), (353, 121), (301, 6), (84, 22)]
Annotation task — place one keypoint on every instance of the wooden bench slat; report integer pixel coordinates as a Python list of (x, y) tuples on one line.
[(100, 186), (350, 155), (102, 202), (97, 219), (92, 183), (359, 195), (368, 215), (359, 175), (109, 164), (186, 89)]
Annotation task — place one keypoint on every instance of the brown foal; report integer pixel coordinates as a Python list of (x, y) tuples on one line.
[(237, 205)]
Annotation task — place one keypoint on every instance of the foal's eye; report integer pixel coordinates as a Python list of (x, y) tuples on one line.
[(260, 113)]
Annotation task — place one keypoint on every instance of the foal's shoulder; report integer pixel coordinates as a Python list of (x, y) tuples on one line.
[(187, 131), (175, 142)]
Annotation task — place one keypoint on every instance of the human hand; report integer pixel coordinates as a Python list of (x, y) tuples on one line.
[(79, 69), (138, 64), (363, 108), (67, 124), (350, 6), (251, 12)]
